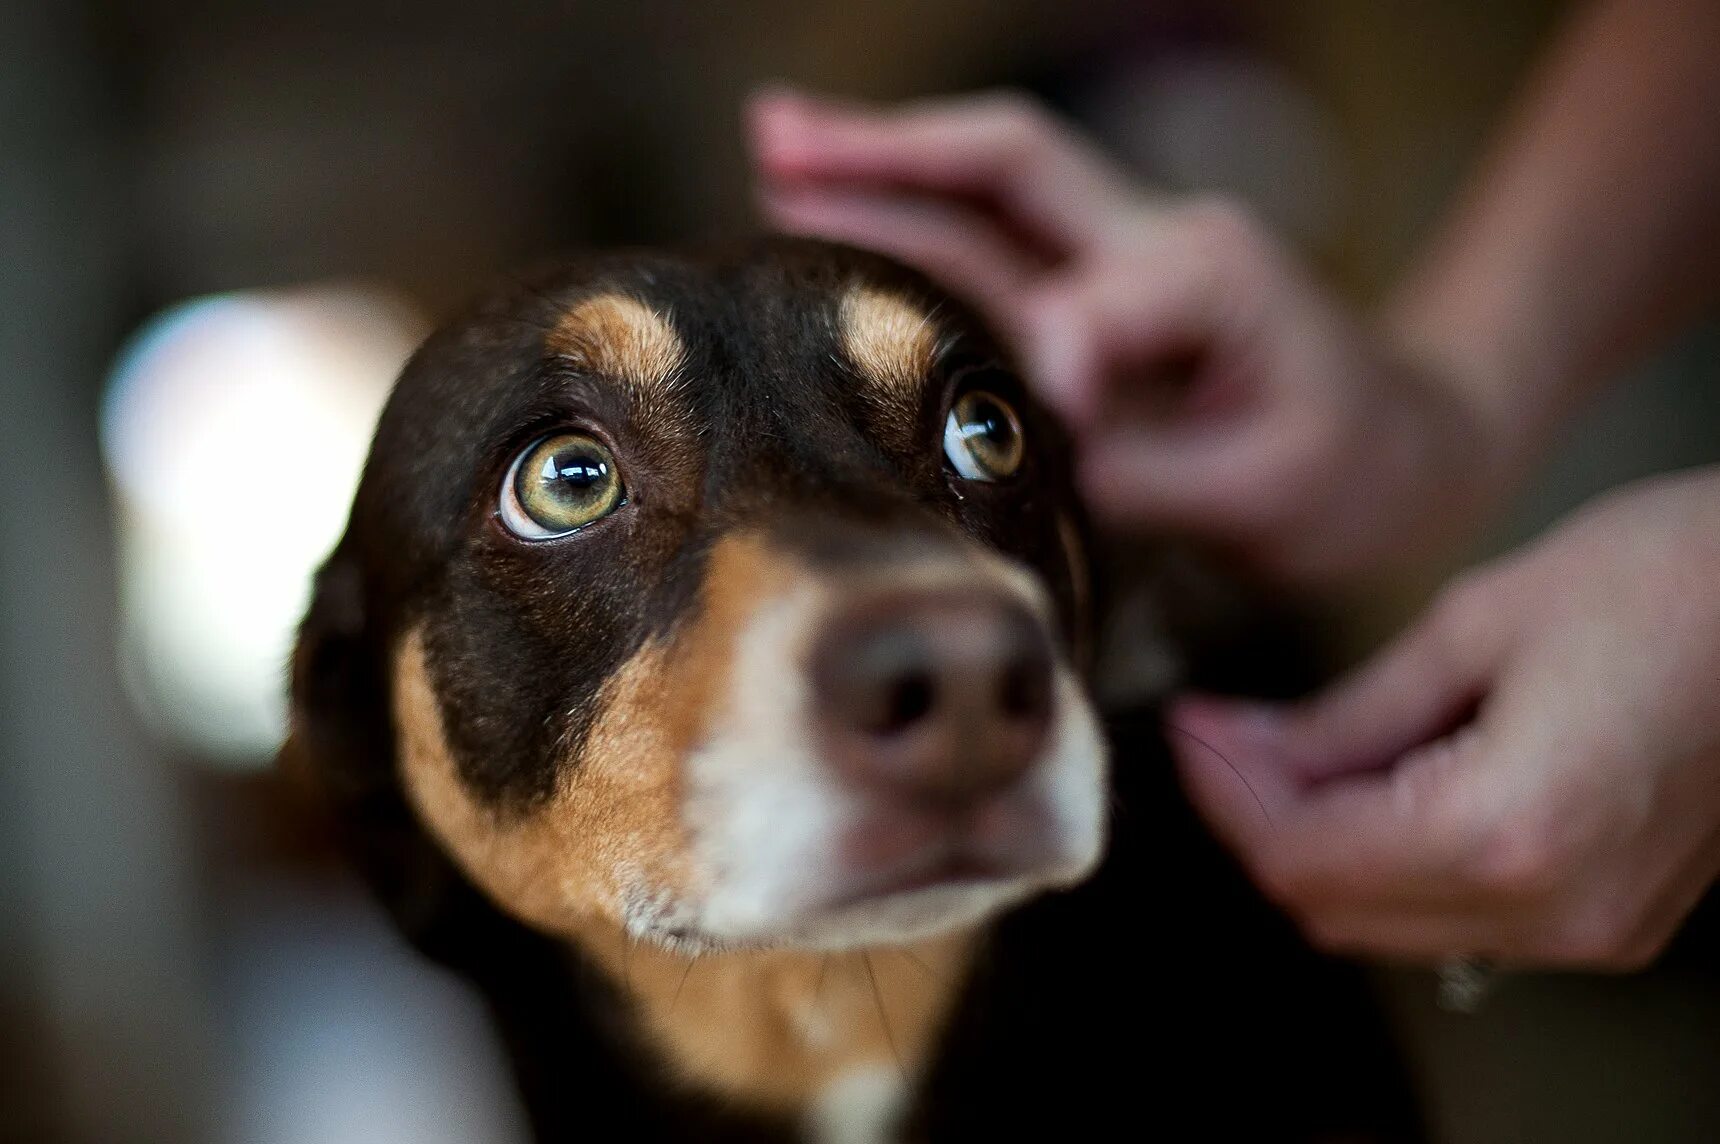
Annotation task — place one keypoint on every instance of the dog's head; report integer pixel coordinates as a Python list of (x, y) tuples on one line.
[(734, 600)]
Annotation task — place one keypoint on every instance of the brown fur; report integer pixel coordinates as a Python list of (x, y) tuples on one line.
[(499, 726), (554, 867), (619, 337), (894, 345), (618, 806), (773, 1028), (768, 1027)]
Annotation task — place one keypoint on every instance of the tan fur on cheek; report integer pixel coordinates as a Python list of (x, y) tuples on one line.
[(610, 845), (604, 846)]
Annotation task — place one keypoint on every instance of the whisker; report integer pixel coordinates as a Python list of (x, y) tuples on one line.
[(818, 987), (943, 345), (923, 967), (686, 973), (1264, 813), (1119, 809), (884, 1018)]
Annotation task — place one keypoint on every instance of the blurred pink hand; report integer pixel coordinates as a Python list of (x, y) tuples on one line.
[(1572, 819), (1218, 389)]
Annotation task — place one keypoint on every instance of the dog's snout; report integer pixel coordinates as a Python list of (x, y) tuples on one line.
[(939, 698)]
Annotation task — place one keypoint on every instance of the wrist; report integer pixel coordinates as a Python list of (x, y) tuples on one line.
[(1504, 390)]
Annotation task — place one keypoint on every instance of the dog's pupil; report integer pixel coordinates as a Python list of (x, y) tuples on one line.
[(992, 424), (577, 472)]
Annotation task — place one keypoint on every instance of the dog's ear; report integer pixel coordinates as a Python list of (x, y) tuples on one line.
[(340, 754), (338, 727)]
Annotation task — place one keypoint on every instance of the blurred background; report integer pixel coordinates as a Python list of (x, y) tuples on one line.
[(223, 225)]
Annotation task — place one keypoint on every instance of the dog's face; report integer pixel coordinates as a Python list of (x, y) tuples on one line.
[(733, 601)]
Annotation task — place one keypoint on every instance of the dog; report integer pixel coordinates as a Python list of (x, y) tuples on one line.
[(705, 674)]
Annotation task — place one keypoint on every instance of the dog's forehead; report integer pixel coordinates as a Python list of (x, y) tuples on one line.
[(782, 360), (792, 327), (887, 340), (782, 321)]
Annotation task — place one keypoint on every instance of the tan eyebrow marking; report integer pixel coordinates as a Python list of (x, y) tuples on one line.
[(620, 337), (890, 341)]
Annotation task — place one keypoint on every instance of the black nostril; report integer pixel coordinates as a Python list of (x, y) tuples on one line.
[(1025, 689), (910, 699)]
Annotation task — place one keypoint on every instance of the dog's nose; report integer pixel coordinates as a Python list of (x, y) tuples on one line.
[(940, 697)]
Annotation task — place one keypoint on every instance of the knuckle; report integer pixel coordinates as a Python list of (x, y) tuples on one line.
[(1461, 604), (1222, 245), (1636, 956), (1598, 936), (1521, 862), (1272, 876), (1222, 226), (1460, 619), (1012, 104), (1288, 885), (1324, 933), (1017, 120), (1643, 951)]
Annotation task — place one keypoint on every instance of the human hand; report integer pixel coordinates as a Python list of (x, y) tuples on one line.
[(1216, 387), (1532, 773)]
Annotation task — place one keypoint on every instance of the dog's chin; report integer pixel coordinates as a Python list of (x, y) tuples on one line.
[(911, 915), (911, 910)]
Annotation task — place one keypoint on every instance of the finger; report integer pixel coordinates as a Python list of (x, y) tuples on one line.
[(1549, 941), (1418, 938), (1197, 478), (1396, 841), (1613, 925), (997, 148), (1377, 840), (1419, 688), (1087, 331), (1230, 768), (1669, 909), (955, 246)]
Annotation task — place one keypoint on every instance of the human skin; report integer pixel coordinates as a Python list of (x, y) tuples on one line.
[(1571, 818), (1533, 770)]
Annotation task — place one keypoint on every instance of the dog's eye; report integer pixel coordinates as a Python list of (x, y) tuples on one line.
[(560, 485), (982, 437)]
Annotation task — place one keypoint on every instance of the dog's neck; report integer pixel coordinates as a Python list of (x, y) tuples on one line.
[(790, 1031)]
